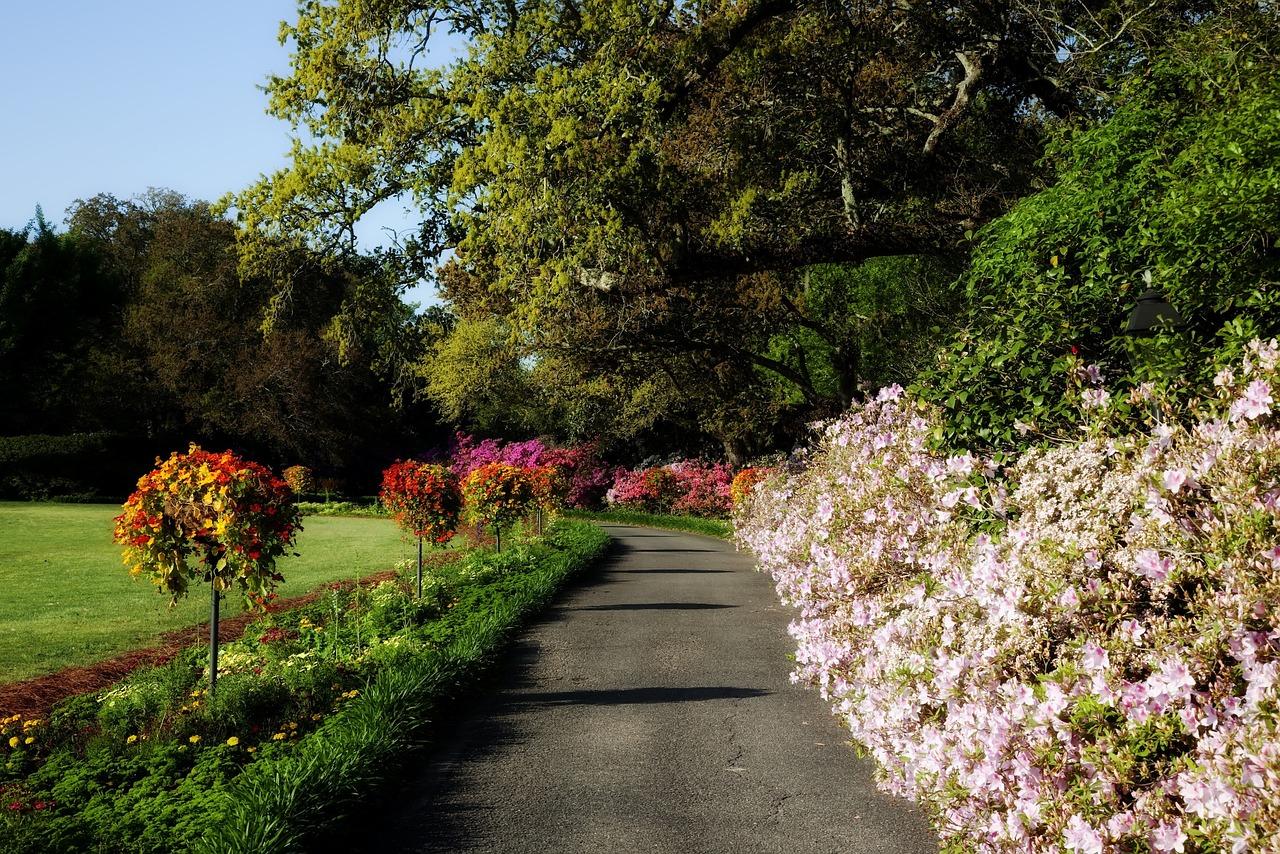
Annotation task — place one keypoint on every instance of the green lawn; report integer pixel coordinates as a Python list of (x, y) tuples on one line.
[(65, 597)]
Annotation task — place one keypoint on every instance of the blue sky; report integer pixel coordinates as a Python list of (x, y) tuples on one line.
[(117, 97)]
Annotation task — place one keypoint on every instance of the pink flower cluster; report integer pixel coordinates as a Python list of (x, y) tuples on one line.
[(468, 454), (1077, 653), (588, 476), (693, 487)]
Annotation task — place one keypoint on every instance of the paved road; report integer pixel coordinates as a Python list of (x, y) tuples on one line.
[(650, 712)]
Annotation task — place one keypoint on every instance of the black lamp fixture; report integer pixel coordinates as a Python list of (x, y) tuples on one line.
[(1152, 313)]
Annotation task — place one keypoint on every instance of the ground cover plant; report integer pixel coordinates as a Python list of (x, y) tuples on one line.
[(314, 709), (1077, 653), (68, 601)]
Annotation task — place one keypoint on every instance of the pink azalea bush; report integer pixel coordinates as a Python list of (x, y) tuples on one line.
[(652, 490), (1078, 653), (704, 487), (689, 486), (468, 453), (586, 475)]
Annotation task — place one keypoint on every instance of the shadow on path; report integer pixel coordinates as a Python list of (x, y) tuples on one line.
[(673, 571), (654, 606), (636, 696)]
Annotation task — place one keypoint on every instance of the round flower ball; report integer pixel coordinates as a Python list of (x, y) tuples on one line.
[(300, 479), (499, 494), (424, 499), (208, 516)]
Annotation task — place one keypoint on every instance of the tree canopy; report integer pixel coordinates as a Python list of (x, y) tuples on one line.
[(644, 190)]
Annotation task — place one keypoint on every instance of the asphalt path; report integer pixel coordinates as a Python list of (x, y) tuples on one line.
[(649, 711)]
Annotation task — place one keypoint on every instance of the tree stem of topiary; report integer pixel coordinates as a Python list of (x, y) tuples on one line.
[(213, 636), (497, 535), (419, 567)]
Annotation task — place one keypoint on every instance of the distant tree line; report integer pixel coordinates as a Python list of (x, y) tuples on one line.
[(136, 327)]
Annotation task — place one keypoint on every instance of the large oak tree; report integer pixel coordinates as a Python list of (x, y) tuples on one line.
[(643, 189)]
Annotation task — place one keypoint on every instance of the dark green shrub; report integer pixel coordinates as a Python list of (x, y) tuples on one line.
[(1180, 183)]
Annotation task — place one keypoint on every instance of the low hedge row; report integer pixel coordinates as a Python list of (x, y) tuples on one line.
[(77, 465)]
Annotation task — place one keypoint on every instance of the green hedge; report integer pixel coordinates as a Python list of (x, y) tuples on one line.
[(77, 465)]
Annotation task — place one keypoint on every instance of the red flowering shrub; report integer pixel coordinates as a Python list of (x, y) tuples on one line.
[(423, 498), (653, 490), (199, 513), (498, 494), (688, 486)]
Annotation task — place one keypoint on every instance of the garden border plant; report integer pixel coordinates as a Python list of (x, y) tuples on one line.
[(180, 791)]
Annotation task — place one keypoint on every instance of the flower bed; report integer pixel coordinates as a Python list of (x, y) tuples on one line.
[(314, 708), (1078, 653)]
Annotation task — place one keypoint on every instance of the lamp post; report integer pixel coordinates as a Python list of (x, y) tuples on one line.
[(1151, 314)]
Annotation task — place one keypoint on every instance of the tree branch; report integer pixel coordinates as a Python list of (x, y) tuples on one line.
[(972, 63)]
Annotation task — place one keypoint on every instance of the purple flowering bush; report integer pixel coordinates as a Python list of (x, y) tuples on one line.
[(587, 477), (1076, 653), (468, 454)]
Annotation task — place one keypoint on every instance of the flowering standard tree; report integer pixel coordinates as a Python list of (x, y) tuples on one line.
[(550, 491), (300, 479), (216, 517), (425, 500), (498, 494), (1080, 653)]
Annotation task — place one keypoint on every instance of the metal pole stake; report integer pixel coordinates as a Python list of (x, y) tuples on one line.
[(213, 638)]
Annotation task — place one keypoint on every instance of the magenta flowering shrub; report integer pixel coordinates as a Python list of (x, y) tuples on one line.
[(468, 454), (1077, 654), (688, 486), (587, 476), (704, 487)]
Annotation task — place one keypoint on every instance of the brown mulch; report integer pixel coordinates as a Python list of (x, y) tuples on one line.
[(36, 696)]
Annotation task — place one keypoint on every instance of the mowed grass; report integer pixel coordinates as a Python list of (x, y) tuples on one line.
[(66, 598)]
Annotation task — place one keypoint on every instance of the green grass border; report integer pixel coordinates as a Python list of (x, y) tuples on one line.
[(721, 529)]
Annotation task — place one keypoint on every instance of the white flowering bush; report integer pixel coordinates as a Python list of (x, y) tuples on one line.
[(1077, 653)]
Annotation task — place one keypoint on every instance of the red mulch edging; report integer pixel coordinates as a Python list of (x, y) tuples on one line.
[(34, 697)]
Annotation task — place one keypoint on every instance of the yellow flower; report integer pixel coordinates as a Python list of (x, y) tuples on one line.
[(195, 739), (30, 739), (293, 725), (251, 749), (278, 737), (131, 739), (233, 741), (15, 741)]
